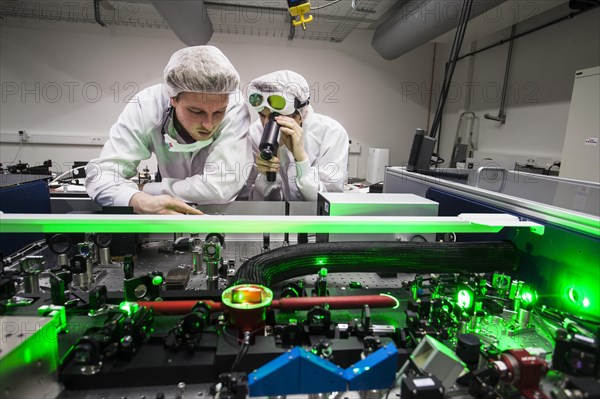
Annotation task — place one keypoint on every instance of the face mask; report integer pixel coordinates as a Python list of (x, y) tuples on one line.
[(175, 146)]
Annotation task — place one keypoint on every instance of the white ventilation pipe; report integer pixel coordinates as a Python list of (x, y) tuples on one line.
[(420, 21), (187, 18)]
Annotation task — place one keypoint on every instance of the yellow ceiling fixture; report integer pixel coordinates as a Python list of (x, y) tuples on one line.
[(299, 10)]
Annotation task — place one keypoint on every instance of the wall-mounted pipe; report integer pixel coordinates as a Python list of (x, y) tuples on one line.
[(502, 113), (188, 19), (418, 22), (97, 15)]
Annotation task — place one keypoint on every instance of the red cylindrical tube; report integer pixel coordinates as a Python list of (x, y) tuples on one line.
[(304, 303)]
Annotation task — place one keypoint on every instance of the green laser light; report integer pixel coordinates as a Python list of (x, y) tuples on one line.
[(528, 296), (129, 307), (157, 280), (465, 299), (586, 302)]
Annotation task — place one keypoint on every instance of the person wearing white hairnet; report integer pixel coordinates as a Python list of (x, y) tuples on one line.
[(196, 124), (313, 148)]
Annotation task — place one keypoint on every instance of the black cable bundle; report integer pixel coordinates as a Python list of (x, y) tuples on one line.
[(380, 256), (451, 65)]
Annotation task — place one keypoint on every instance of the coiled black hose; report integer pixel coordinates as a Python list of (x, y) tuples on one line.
[(380, 256)]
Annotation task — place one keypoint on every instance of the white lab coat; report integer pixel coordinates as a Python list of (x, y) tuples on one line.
[(211, 175), (325, 170)]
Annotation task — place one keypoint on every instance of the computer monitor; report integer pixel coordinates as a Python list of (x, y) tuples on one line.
[(420, 152)]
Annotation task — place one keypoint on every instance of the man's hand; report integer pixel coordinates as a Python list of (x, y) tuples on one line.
[(143, 203), (292, 137), (265, 166)]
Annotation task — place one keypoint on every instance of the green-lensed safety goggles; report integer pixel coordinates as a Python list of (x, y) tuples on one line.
[(275, 102)]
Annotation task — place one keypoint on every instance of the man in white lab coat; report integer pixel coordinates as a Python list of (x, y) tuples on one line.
[(196, 123), (313, 148)]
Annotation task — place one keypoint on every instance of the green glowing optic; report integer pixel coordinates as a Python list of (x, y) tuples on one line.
[(528, 295), (129, 307), (578, 297), (157, 280), (323, 271), (573, 295), (586, 302), (247, 296), (464, 299)]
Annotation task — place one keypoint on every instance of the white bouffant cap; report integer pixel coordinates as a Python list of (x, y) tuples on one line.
[(200, 69)]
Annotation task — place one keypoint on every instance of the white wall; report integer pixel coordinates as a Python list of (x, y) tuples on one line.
[(71, 79), (540, 87), (379, 102), (74, 79)]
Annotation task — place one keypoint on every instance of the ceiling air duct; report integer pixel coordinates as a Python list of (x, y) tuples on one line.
[(420, 21), (187, 18)]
